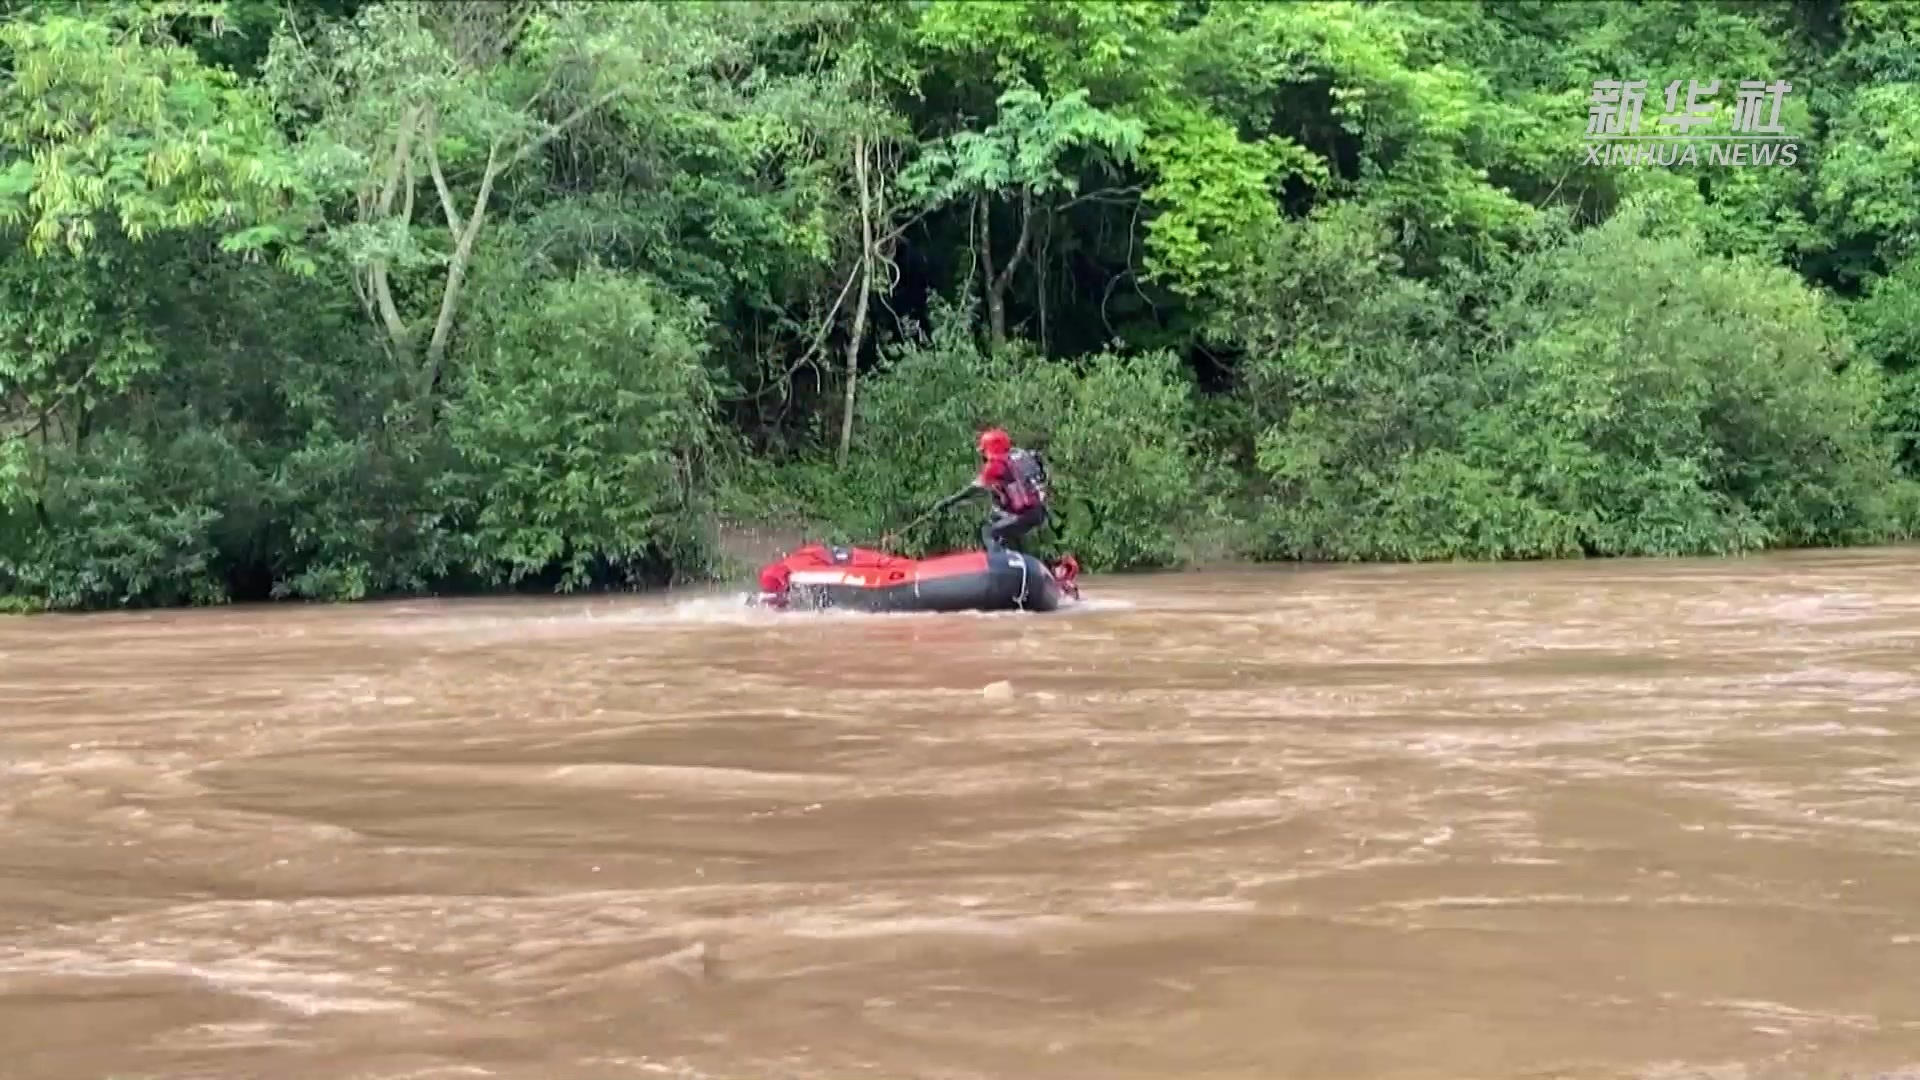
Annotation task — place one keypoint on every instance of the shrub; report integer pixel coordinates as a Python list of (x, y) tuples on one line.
[(582, 431), (1116, 431)]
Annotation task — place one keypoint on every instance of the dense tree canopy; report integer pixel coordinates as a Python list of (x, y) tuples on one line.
[(337, 298)]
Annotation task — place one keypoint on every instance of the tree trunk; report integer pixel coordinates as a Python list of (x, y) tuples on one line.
[(457, 275), (381, 290), (999, 284), (858, 335), (996, 314)]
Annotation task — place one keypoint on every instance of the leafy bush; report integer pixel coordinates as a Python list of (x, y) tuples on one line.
[(125, 523), (1353, 371), (1116, 431), (1685, 403), (582, 432), (1625, 394)]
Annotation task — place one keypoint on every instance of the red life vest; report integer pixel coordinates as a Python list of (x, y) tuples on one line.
[(1025, 486)]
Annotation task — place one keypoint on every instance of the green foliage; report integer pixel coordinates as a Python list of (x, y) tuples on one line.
[(1134, 493), (105, 121), (1115, 430), (1354, 371), (1630, 394), (1868, 189), (1216, 195), (582, 432), (69, 340), (1022, 151), (132, 525), (337, 300), (1718, 380)]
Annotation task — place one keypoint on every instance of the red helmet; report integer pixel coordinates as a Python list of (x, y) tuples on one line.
[(995, 442)]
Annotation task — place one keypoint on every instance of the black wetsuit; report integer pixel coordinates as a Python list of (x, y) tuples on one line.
[(1005, 528)]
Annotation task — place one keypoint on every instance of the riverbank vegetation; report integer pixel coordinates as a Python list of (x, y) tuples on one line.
[(336, 299)]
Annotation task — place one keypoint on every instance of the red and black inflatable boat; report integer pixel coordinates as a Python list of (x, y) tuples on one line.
[(819, 577)]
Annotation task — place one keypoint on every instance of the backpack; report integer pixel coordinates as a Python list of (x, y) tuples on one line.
[(1028, 486)]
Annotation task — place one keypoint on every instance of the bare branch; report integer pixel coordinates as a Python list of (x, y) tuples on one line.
[(983, 210), (820, 335), (402, 150), (1041, 267), (519, 24), (408, 186), (546, 87), (534, 144), (377, 272), (446, 193), (1556, 188), (858, 334), (478, 32), (895, 234), (457, 271), (389, 311), (1020, 245), (1108, 195)]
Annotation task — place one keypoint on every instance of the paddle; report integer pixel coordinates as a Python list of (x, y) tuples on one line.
[(888, 539)]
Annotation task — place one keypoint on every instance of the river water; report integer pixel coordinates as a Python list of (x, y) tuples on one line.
[(1607, 820)]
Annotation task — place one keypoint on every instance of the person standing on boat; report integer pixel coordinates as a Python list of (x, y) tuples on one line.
[(1016, 480)]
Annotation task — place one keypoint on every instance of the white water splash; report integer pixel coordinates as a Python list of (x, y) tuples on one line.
[(732, 608)]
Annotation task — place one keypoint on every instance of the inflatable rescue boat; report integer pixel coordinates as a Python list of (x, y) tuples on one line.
[(819, 577)]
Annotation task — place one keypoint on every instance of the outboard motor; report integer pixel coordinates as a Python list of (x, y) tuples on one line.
[(1066, 574), (773, 587)]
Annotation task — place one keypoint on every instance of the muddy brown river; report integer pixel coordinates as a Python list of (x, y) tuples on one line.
[(1611, 820)]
